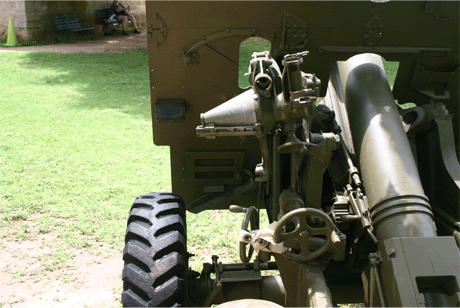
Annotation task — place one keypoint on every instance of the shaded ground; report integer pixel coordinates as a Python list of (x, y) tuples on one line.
[(32, 273), (118, 43)]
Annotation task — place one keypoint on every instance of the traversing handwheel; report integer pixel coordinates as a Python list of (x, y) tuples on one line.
[(303, 231)]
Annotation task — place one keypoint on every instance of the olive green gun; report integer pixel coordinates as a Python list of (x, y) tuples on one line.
[(359, 178)]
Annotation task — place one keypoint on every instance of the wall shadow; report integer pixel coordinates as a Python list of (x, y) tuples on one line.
[(103, 81)]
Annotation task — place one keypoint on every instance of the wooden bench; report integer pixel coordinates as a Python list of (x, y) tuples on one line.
[(69, 22)]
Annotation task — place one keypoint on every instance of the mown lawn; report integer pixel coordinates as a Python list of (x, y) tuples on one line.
[(75, 143)]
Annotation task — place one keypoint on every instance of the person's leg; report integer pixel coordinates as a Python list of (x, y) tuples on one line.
[(124, 21), (133, 21)]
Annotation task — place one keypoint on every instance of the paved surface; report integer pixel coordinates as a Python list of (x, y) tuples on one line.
[(109, 44)]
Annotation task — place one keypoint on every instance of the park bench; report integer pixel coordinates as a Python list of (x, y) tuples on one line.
[(69, 22)]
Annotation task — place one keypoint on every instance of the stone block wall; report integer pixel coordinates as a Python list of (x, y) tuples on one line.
[(33, 20), (15, 10)]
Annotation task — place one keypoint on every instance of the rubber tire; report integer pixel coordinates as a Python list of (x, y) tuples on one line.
[(155, 252)]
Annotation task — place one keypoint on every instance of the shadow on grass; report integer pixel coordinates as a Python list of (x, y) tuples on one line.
[(103, 81)]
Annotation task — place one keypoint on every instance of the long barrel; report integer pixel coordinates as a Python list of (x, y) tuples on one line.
[(398, 205)]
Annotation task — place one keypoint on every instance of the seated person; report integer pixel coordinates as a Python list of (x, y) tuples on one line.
[(122, 14)]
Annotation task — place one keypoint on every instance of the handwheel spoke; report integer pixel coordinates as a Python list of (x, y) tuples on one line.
[(305, 249), (250, 219), (290, 235), (317, 231), (302, 223)]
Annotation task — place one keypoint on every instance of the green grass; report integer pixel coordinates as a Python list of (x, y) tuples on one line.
[(247, 48), (61, 39), (391, 69), (76, 144), (21, 42)]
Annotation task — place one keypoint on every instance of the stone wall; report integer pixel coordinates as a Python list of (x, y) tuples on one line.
[(33, 20), (15, 10)]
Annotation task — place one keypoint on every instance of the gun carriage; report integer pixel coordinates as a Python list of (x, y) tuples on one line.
[(360, 180)]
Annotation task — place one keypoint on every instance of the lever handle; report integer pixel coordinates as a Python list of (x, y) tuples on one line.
[(237, 209)]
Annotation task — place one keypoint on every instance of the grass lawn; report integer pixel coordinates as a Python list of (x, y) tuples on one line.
[(76, 144), (76, 149)]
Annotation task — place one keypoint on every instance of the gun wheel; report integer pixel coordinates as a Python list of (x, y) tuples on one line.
[(155, 252)]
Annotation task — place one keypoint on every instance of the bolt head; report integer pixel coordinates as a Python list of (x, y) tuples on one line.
[(392, 253), (262, 241), (303, 234)]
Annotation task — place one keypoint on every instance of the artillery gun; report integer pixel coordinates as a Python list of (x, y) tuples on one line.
[(361, 188)]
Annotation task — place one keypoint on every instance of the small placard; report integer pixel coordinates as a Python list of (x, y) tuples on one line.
[(170, 110)]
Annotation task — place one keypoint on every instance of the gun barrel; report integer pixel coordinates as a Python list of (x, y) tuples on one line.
[(398, 205)]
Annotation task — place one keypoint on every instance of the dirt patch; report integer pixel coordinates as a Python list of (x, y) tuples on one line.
[(34, 274)]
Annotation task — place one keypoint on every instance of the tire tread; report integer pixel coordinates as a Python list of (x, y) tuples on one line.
[(155, 252)]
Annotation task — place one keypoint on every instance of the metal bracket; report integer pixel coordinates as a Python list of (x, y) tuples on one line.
[(414, 265), (373, 31), (262, 240), (190, 55), (431, 83), (443, 121), (430, 7), (360, 207), (424, 51), (375, 259), (233, 280), (295, 33), (157, 29), (210, 131), (213, 199)]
